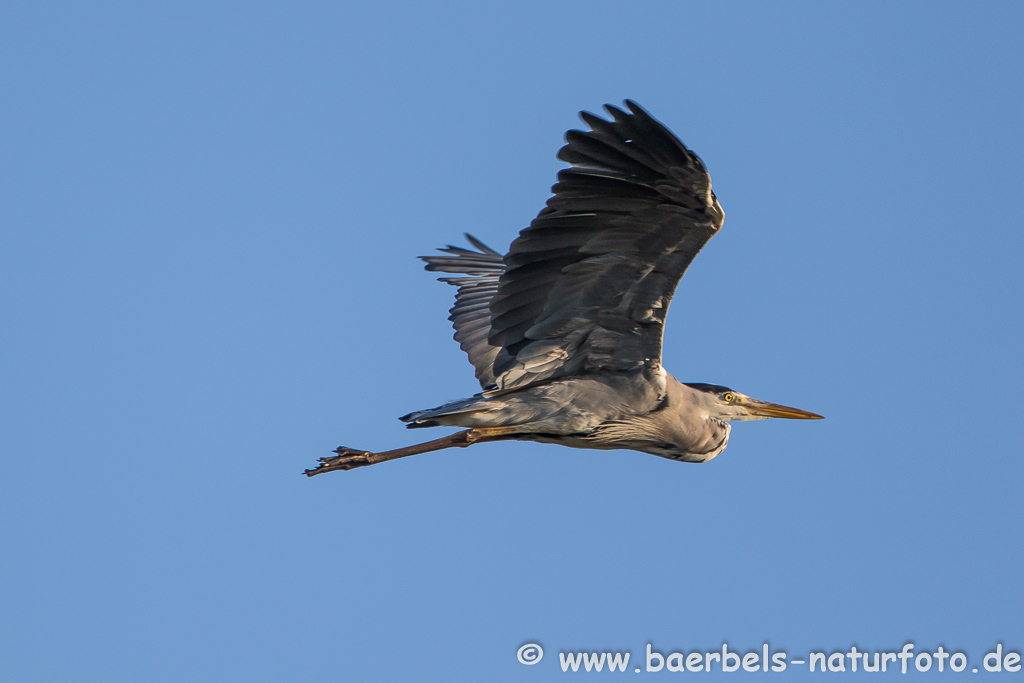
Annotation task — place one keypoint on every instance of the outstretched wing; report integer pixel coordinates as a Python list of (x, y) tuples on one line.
[(471, 315), (587, 286)]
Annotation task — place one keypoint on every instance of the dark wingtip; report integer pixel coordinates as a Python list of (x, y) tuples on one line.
[(635, 108), (616, 113), (433, 260), (480, 245)]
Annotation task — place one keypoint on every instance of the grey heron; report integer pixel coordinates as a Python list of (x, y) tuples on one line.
[(565, 331)]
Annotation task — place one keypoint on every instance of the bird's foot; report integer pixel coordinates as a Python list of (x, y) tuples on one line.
[(346, 459)]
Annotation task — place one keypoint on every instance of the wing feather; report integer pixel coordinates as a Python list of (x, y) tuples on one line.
[(602, 260), (471, 314), (586, 287)]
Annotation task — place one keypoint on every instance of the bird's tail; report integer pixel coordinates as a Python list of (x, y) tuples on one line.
[(457, 413)]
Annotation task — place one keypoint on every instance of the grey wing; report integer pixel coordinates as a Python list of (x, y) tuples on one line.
[(587, 286), (471, 315)]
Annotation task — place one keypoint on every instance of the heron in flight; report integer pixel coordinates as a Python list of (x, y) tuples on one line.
[(565, 331)]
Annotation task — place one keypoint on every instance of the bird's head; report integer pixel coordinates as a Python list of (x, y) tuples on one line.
[(726, 404)]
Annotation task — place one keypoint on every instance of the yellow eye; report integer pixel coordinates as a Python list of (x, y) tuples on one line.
[(729, 398)]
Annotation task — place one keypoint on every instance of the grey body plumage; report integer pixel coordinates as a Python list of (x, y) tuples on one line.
[(565, 331)]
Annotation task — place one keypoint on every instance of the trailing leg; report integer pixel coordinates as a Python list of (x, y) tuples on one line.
[(349, 458)]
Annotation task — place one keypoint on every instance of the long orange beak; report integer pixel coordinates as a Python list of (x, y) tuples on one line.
[(765, 409)]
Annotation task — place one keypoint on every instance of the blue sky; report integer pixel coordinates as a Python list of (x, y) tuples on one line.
[(211, 213)]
